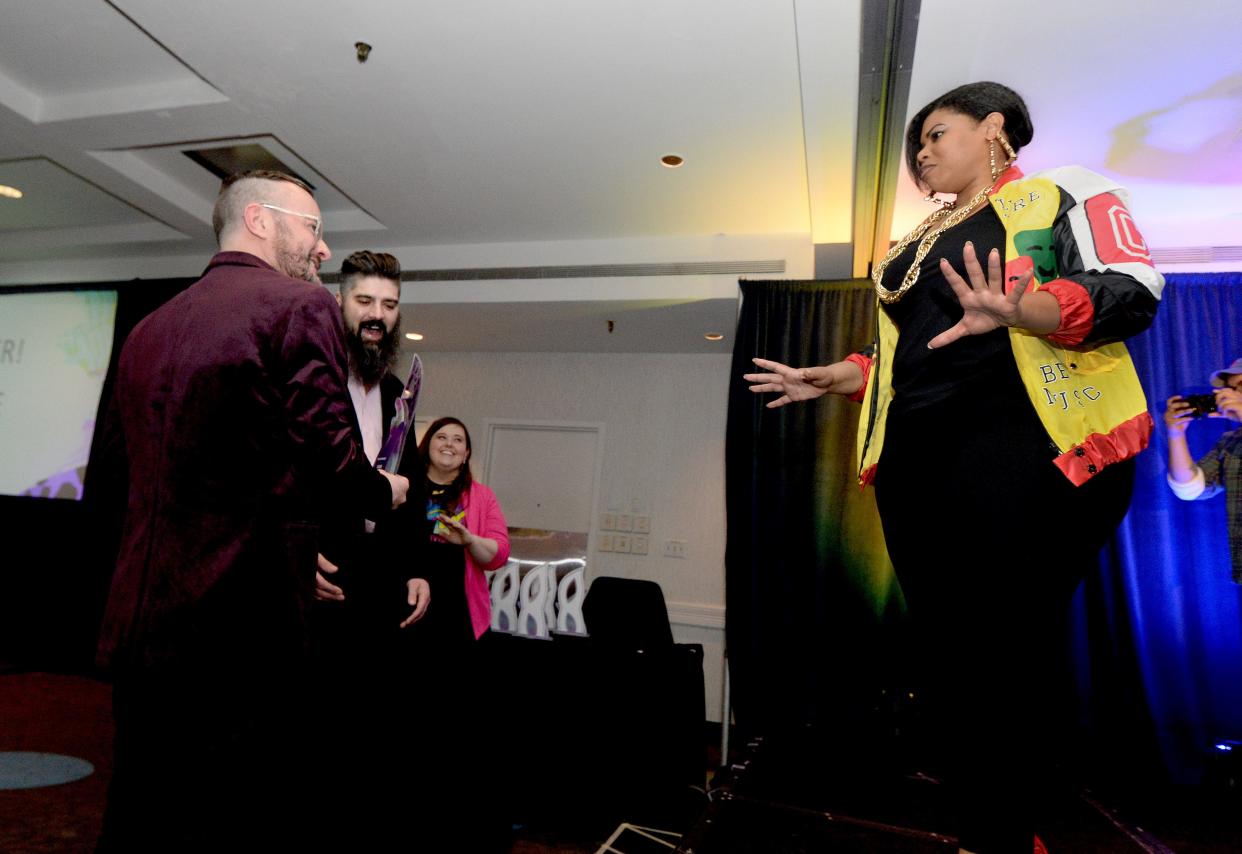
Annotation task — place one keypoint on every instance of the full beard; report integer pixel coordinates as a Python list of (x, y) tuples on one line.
[(290, 261), (369, 361)]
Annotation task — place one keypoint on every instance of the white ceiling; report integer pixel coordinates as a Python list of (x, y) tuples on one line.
[(495, 133)]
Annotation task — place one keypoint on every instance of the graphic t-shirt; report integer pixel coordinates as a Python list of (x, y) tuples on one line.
[(436, 502)]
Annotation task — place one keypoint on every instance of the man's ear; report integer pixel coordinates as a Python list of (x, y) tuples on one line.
[(255, 218)]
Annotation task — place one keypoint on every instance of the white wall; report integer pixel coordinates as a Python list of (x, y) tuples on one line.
[(664, 427)]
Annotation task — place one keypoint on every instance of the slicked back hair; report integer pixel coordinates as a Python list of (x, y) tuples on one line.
[(243, 188), (366, 263), (976, 100)]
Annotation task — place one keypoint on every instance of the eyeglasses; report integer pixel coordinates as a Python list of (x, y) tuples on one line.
[(316, 221)]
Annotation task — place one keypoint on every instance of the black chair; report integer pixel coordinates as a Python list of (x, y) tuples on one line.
[(627, 613), (627, 742), (649, 721)]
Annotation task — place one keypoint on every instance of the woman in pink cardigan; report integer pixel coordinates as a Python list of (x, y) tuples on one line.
[(451, 669), (469, 536)]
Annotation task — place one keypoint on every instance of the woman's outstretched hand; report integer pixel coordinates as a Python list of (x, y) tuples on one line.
[(986, 303), (798, 384)]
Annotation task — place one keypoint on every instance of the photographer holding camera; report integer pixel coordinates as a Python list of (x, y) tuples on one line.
[(1221, 467)]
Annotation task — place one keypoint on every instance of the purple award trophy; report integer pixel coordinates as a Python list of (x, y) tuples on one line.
[(389, 457)]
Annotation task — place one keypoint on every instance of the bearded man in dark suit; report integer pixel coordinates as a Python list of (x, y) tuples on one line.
[(369, 589)]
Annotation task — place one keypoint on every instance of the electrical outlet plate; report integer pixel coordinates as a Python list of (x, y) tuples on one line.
[(638, 545), (675, 548), (625, 522), (621, 543), (605, 543), (642, 524), (608, 522)]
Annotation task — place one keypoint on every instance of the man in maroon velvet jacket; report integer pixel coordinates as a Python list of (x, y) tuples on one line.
[(234, 418)]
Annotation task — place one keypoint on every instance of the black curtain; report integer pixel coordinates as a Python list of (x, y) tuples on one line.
[(811, 596), (52, 600)]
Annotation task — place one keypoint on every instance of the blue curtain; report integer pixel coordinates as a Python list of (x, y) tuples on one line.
[(1159, 630)]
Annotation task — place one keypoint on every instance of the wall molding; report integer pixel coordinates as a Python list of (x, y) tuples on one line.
[(696, 615)]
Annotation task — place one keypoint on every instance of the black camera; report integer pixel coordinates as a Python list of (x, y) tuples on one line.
[(1200, 404)]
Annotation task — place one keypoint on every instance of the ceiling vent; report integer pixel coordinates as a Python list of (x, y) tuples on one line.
[(227, 160)]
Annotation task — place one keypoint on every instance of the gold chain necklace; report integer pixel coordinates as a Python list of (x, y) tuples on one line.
[(947, 218)]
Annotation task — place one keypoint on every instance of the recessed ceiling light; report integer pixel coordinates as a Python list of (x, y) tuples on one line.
[(672, 161), (714, 336), (414, 336), (10, 192)]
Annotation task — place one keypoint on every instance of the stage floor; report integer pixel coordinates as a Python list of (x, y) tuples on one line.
[(784, 795), (794, 793)]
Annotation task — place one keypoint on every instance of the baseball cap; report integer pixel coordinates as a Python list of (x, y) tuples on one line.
[(1219, 377)]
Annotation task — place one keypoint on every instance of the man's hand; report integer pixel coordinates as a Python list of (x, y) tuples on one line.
[(1228, 404), (400, 486), (1177, 416), (324, 589), (418, 597)]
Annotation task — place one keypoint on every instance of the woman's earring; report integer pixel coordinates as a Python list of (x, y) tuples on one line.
[(992, 160), (1004, 141)]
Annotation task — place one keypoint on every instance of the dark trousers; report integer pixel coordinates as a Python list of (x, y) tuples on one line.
[(461, 806), (989, 541), (364, 742), (208, 757)]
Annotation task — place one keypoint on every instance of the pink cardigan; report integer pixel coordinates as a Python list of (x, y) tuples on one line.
[(484, 519)]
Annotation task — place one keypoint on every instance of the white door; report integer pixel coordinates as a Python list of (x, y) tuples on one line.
[(546, 476)]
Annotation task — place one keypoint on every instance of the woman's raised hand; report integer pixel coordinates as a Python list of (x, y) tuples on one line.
[(797, 384), (986, 303)]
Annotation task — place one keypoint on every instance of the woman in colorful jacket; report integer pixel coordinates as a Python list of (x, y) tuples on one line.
[(1001, 415)]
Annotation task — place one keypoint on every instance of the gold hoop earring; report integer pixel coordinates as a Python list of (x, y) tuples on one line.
[(1004, 141)]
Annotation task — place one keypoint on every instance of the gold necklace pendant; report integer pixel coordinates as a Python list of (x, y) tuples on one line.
[(943, 220)]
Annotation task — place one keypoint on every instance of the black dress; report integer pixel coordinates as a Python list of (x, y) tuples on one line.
[(451, 710), (988, 538), (449, 617)]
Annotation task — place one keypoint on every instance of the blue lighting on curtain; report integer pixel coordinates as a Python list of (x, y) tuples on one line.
[(1166, 580)]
